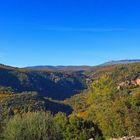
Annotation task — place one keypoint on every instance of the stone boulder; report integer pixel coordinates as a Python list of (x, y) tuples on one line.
[(138, 81)]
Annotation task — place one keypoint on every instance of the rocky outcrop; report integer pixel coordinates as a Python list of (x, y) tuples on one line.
[(129, 83), (126, 84), (138, 81), (126, 138)]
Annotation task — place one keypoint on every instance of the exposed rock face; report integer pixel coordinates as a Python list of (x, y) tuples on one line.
[(126, 138), (126, 84), (129, 83), (138, 81)]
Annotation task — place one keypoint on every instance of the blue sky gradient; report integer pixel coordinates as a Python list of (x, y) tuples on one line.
[(68, 32)]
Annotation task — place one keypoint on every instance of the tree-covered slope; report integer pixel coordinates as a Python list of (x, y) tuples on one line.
[(30, 102), (54, 84), (112, 100)]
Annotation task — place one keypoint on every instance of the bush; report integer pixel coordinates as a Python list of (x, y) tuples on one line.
[(31, 126)]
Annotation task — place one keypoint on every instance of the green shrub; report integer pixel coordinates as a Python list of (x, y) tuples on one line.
[(31, 126)]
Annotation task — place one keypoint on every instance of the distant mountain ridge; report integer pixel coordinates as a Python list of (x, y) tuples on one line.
[(82, 67), (114, 62), (72, 67), (65, 68)]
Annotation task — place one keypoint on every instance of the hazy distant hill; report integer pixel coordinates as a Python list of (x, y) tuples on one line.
[(80, 68), (120, 62), (65, 68)]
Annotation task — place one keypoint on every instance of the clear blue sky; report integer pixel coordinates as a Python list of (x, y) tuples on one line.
[(68, 32)]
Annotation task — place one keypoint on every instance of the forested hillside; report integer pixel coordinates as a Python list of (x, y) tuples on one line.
[(112, 101), (53, 84)]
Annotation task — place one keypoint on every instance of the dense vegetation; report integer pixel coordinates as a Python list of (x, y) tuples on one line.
[(109, 107), (115, 109), (30, 102), (45, 126)]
